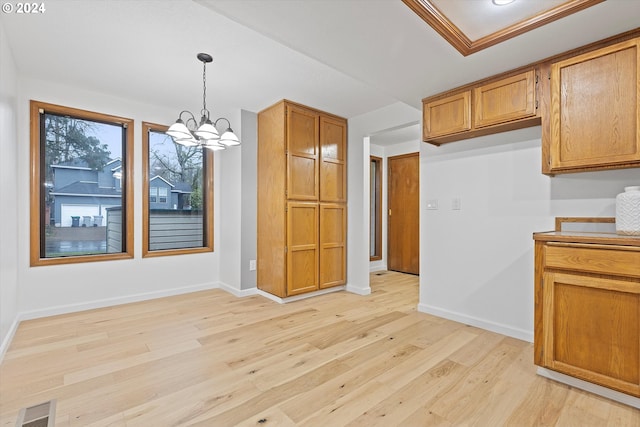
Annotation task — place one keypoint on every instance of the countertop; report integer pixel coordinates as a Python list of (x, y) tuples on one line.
[(587, 237)]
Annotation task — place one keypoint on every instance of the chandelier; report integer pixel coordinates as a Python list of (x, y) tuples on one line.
[(191, 134)]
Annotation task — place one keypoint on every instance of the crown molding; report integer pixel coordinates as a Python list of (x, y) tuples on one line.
[(451, 33)]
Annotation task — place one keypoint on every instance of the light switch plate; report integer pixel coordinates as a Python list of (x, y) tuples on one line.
[(432, 204)]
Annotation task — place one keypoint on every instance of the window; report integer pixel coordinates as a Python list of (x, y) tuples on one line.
[(81, 186), (162, 195), (153, 195), (178, 212), (375, 211)]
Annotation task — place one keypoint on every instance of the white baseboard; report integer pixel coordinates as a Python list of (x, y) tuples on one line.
[(377, 266), (590, 387), (299, 297), (240, 293), (359, 291), (108, 302), (6, 342), (507, 330)]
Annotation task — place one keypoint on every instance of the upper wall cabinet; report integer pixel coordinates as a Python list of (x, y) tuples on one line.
[(499, 104), (448, 115), (505, 100), (595, 110)]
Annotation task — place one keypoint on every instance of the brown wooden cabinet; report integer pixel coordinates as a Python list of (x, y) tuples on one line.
[(587, 307), (595, 109), (333, 244), (494, 105), (447, 116), (302, 247), (505, 100), (301, 199)]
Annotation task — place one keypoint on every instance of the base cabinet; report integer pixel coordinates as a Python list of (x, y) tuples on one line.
[(587, 309), (302, 215)]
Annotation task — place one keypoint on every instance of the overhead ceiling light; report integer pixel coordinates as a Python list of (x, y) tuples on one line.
[(502, 2), (205, 134)]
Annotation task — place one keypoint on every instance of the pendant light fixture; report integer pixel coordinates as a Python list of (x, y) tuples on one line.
[(205, 134)]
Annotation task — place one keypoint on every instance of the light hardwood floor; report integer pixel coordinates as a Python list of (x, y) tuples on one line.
[(210, 359)]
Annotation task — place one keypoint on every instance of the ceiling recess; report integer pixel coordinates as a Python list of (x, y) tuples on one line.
[(426, 10)]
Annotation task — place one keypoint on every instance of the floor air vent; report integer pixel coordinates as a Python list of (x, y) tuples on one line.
[(41, 415)]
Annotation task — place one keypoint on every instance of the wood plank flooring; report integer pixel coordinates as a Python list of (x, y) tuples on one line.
[(210, 359)]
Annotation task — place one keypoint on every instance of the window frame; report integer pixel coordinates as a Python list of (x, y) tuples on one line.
[(207, 195), (36, 185), (376, 206)]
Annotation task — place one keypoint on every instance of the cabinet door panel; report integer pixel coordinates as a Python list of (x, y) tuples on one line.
[(592, 329), (302, 247), (595, 114), (447, 115), (302, 153), (505, 100), (333, 234), (333, 149), (302, 178)]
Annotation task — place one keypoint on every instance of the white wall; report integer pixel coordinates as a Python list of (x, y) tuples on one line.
[(477, 262), (54, 289), (8, 194), (360, 129), (249, 211), (230, 207)]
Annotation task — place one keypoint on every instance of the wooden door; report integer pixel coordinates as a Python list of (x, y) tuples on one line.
[(302, 153), (447, 116), (404, 213), (333, 244), (505, 100), (333, 165), (302, 247), (591, 329), (595, 110)]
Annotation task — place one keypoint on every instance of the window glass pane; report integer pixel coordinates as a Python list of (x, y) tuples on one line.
[(176, 218), (82, 173)]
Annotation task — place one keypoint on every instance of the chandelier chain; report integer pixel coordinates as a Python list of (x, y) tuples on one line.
[(204, 89)]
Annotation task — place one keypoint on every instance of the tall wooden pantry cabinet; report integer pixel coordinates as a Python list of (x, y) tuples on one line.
[(302, 195)]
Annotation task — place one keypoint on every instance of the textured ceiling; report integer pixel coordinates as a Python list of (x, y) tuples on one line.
[(348, 57)]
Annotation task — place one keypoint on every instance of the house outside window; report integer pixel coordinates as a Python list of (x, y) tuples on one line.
[(81, 194), (178, 211)]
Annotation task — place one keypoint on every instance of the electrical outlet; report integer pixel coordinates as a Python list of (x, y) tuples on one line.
[(252, 265)]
